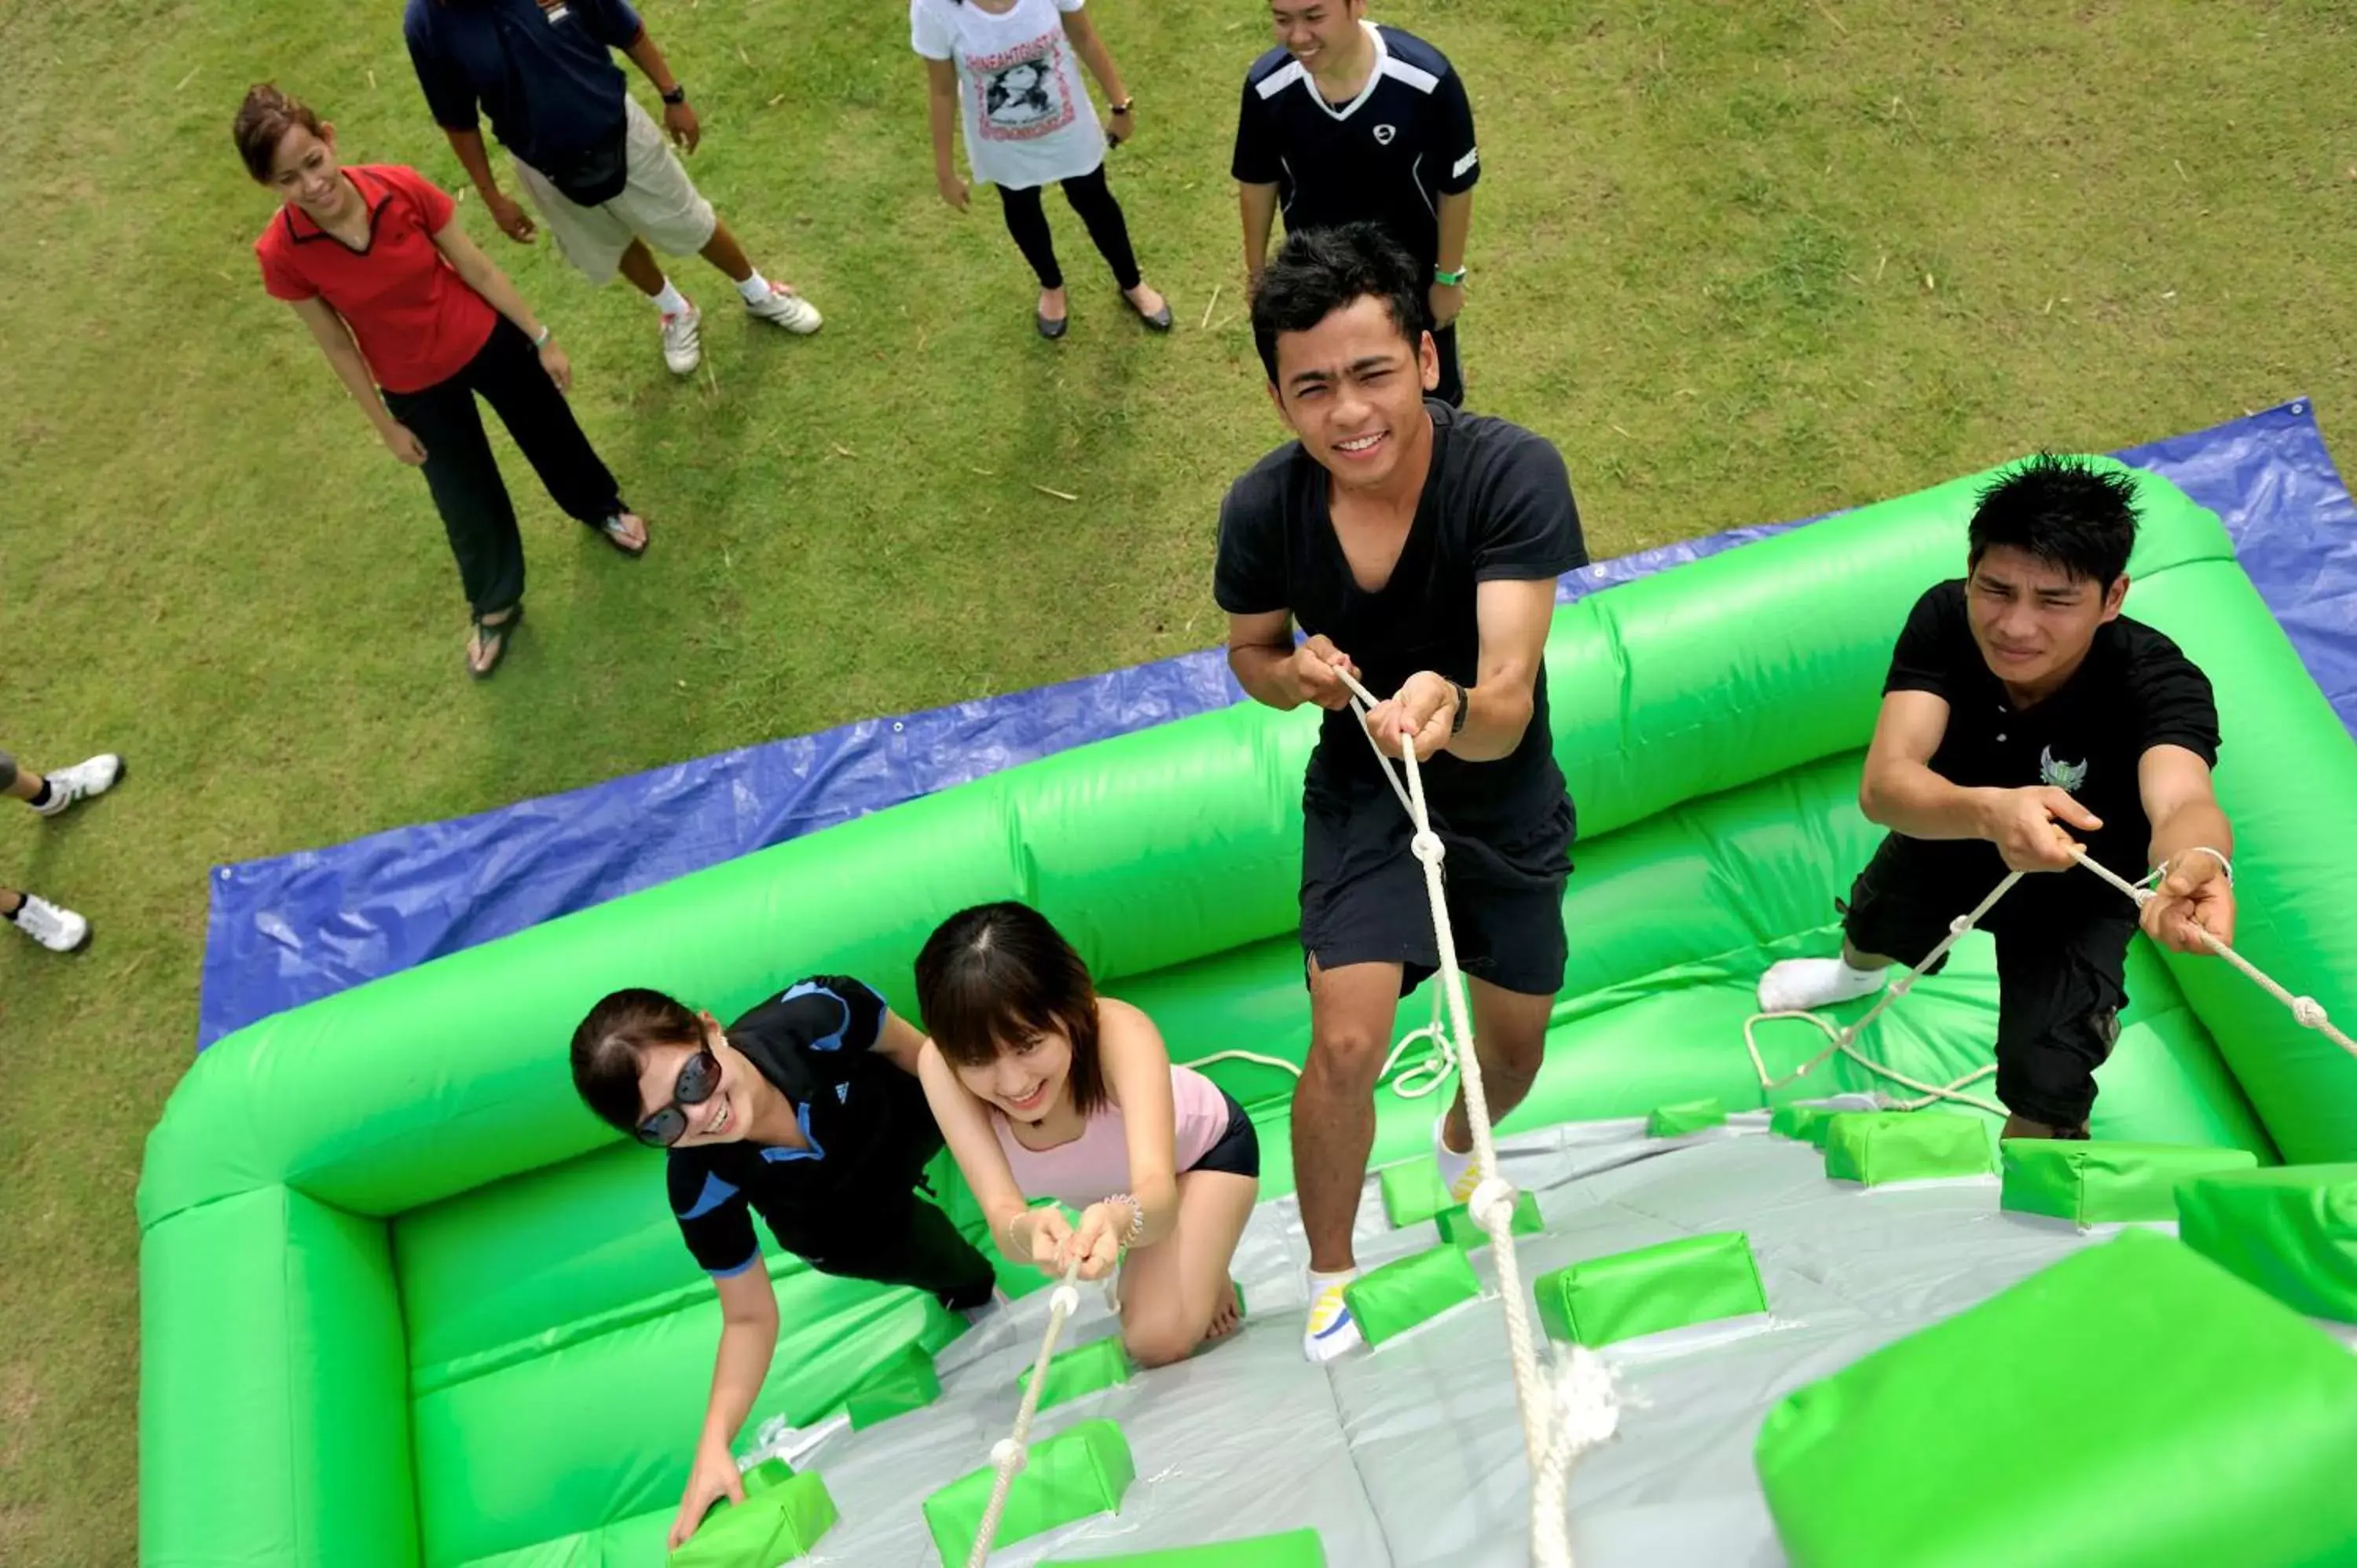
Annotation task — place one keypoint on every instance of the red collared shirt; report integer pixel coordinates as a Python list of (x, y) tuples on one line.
[(417, 321)]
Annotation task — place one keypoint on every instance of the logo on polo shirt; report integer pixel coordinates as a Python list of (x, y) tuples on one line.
[(2061, 775), (842, 1094), (1383, 134)]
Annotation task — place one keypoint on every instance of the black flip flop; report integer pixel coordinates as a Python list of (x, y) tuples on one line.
[(497, 635)]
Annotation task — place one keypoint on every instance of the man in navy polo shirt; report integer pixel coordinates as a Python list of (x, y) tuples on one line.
[(591, 159), (1347, 121)]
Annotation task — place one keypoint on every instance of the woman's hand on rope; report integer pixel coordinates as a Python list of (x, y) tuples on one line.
[(2032, 828), (1425, 708), (1314, 663), (1096, 1245), (1046, 1233), (2195, 897)]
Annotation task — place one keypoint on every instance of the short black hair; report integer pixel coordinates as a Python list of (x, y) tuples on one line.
[(609, 1046), (2065, 511), (1319, 271), (991, 974)]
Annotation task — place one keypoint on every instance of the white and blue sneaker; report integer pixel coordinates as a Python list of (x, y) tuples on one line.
[(57, 929), (1331, 1330), (94, 776), (1459, 1175)]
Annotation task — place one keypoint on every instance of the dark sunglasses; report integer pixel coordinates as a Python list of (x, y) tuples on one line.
[(697, 1082)]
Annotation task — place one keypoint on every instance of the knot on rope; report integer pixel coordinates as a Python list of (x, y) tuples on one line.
[(1960, 925), (1065, 1300), (1492, 1202), (1007, 1453), (2310, 1012), (1426, 848)]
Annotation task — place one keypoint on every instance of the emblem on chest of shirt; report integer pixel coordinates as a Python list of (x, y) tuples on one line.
[(2060, 775), (1383, 134)]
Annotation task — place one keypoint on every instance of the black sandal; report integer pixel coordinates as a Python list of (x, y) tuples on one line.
[(494, 636), (610, 532)]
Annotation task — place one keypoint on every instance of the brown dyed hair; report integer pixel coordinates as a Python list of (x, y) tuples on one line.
[(263, 122), (610, 1046), (1001, 972)]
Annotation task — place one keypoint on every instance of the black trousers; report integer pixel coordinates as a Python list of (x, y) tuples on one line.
[(464, 480), (1092, 200)]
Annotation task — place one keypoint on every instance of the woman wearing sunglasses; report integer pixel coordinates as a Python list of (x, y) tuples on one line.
[(807, 1111)]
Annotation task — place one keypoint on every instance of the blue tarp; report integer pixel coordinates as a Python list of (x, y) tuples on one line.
[(293, 928)]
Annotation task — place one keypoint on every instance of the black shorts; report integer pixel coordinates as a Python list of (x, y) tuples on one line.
[(1363, 899), (1238, 1151), (2060, 958)]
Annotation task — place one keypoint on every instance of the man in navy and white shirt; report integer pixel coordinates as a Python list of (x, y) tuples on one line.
[(1348, 122)]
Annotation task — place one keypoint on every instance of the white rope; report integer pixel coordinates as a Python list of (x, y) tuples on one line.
[(1551, 1439), (2306, 1010), (1008, 1454), (1415, 1082)]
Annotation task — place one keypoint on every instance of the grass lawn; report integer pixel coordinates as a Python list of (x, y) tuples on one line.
[(1742, 262)]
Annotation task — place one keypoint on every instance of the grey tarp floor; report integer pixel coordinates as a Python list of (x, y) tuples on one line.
[(1410, 1454)]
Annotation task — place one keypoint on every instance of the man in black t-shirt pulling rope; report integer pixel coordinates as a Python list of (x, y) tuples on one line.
[(2025, 720), (1418, 549)]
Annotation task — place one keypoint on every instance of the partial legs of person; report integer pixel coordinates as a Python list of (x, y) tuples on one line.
[(900, 1241), (1508, 1042), (1897, 912), (1177, 1293), (477, 514), (2061, 984), (1093, 198), (51, 793), (1026, 221), (509, 375), (1350, 1012), (57, 929)]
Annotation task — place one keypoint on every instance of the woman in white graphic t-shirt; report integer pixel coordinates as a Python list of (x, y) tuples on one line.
[(1009, 68)]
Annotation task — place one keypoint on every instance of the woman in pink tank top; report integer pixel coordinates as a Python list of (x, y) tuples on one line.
[(1043, 1089)]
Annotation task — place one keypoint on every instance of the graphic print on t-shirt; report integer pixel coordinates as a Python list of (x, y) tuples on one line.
[(1021, 89)]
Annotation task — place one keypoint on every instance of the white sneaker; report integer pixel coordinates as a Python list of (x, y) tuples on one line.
[(1802, 984), (95, 777), (788, 309), (1331, 1330), (1459, 1175), (60, 931), (682, 339)]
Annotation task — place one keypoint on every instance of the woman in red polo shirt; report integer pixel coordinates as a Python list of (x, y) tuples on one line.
[(403, 303)]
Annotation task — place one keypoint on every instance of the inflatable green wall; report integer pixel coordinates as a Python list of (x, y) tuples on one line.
[(405, 1303)]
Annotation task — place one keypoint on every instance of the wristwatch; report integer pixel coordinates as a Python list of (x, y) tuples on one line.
[(1451, 279), (1464, 706), (677, 95)]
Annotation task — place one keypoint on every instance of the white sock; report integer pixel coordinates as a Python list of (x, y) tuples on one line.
[(671, 302), (1319, 1282), (755, 288), (1802, 984)]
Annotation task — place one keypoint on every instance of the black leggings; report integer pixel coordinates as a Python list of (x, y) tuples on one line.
[(464, 480), (1028, 221)]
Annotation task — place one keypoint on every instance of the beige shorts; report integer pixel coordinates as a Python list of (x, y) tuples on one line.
[(660, 205)]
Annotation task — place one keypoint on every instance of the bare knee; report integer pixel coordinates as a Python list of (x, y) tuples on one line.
[(1158, 1342), (1348, 1056)]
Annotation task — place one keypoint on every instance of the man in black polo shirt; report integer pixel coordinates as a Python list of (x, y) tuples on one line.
[(806, 1110), (1418, 548), (591, 159), (1345, 120), (2024, 715)]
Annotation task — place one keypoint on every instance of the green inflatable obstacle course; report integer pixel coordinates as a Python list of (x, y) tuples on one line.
[(1083, 1470), (2290, 1230), (1294, 1549), (767, 1474), (1459, 1228), (1083, 1370), (905, 1382), (1874, 1147), (1684, 1120), (1625, 1295), (1387, 1301), (405, 1303), (1412, 1192), (2100, 1183), (777, 1524), (1803, 1124), (2205, 1424)]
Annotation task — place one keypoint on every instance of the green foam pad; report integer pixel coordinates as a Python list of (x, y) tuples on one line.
[(1878, 1147), (2097, 1183), (1806, 1123), (777, 1525), (1412, 1191), (1399, 1295), (1294, 1549), (1695, 1279), (2289, 1229), (1687, 1116), (1458, 1225), (906, 1382), (1083, 1470), (768, 1473), (1083, 1370), (2132, 1406)]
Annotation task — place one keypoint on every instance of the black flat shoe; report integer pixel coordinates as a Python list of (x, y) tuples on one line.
[(1159, 321), (1052, 330)]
